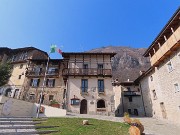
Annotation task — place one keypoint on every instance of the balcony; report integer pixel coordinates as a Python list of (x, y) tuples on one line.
[(166, 49), (86, 72), (30, 73), (131, 93)]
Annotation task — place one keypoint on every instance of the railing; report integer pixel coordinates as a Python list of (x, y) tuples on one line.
[(132, 93), (84, 72), (42, 73), (168, 45)]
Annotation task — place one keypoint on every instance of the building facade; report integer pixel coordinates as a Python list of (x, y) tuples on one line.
[(54, 90), (161, 83), (89, 88), (19, 60), (128, 98)]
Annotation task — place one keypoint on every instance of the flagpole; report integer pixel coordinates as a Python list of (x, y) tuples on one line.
[(41, 95)]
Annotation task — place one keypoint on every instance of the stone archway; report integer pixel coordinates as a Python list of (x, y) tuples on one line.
[(83, 107)]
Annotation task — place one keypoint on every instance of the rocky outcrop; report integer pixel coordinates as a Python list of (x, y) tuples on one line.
[(127, 63)]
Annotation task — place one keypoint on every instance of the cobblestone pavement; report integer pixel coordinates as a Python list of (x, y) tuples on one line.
[(152, 126)]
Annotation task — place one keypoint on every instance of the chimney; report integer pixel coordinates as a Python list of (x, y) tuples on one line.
[(141, 72)]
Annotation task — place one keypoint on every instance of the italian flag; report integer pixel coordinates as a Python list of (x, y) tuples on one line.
[(55, 49)]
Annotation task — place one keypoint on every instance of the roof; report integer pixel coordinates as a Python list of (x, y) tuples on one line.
[(174, 18), (65, 54), (28, 49), (143, 74)]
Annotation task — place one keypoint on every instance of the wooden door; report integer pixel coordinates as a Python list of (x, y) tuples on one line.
[(164, 115), (83, 107)]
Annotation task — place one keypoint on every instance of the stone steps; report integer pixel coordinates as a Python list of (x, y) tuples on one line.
[(19, 123), (23, 126), (29, 133)]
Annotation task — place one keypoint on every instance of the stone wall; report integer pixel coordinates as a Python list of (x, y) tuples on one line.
[(166, 105)]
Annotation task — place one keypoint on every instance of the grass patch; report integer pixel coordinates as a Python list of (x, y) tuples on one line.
[(73, 126)]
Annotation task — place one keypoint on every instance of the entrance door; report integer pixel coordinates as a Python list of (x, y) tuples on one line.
[(164, 115), (136, 112), (83, 107)]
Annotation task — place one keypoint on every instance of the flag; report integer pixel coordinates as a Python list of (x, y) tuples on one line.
[(53, 49), (59, 51)]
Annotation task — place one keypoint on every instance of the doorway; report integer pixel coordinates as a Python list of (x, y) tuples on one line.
[(136, 112), (83, 107), (8, 92), (163, 110)]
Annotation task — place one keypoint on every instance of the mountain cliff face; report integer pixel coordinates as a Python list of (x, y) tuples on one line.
[(127, 63)]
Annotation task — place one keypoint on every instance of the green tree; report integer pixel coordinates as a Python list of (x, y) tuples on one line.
[(5, 73)]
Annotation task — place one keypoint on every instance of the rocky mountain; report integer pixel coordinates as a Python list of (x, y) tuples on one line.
[(127, 63)]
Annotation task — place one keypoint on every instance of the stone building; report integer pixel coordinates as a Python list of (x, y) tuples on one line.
[(161, 83), (89, 88), (19, 59), (128, 98), (54, 90)]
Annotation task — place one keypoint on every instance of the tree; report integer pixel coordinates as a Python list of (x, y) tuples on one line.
[(5, 73)]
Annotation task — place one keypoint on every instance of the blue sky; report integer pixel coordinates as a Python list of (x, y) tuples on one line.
[(81, 25)]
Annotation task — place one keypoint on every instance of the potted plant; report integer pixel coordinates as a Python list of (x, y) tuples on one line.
[(54, 103)]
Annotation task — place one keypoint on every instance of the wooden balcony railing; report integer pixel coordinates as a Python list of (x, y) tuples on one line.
[(42, 73), (86, 72), (132, 93)]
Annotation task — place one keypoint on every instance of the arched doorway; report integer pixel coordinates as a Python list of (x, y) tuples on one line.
[(8, 92), (101, 103), (83, 107)]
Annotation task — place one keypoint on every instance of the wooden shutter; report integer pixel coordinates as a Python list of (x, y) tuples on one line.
[(47, 80), (38, 82), (31, 82), (53, 82)]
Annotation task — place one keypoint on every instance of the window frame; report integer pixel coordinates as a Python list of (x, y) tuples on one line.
[(176, 85), (84, 85), (75, 101), (100, 86), (154, 94), (37, 83), (168, 65)]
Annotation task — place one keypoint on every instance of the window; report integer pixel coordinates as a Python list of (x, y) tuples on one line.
[(85, 66), (176, 87), (51, 97), (52, 71), (129, 111), (151, 78), (85, 69), (100, 85), (35, 82), (84, 85), (50, 83), (100, 69), (19, 77), (130, 99), (154, 94), (170, 67), (74, 101), (101, 104), (21, 66), (178, 56)]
